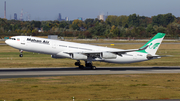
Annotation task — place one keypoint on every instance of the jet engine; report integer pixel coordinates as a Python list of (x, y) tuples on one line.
[(60, 55), (107, 55), (57, 56), (78, 56)]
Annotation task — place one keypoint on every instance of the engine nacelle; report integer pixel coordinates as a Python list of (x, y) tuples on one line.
[(61, 55), (78, 56), (107, 55), (57, 56)]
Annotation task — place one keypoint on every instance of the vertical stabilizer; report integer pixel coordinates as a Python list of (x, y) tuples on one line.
[(153, 44)]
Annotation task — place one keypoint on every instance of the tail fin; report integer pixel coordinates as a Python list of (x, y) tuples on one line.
[(153, 44)]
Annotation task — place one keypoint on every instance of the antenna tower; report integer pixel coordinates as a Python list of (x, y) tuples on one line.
[(5, 9)]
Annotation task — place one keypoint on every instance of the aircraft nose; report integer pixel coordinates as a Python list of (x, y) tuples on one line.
[(7, 42)]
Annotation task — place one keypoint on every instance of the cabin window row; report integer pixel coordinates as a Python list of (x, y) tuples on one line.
[(76, 47)]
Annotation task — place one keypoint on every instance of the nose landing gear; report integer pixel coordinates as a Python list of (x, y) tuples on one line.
[(21, 55)]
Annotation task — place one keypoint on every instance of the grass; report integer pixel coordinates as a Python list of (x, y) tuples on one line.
[(93, 87), (2, 41), (9, 58)]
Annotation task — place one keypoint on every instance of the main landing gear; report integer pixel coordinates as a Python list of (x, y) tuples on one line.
[(21, 55), (87, 64)]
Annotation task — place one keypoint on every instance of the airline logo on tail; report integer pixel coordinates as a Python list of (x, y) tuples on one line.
[(154, 46)]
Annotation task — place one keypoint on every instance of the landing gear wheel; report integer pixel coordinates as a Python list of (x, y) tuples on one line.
[(20, 55), (88, 64), (77, 63), (93, 67), (81, 66)]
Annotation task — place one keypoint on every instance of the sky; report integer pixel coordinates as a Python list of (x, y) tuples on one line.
[(50, 9)]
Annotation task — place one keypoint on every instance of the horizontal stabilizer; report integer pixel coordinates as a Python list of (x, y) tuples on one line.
[(157, 56)]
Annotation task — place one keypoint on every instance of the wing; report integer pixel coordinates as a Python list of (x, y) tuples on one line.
[(97, 54), (126, 51)]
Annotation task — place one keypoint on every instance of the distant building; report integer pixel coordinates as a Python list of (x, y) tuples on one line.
[(80, 18), (101, 17), (66, 18), (15, 16), (59, 17)]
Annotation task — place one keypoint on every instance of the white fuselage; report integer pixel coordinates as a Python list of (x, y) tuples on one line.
[(60, 49)]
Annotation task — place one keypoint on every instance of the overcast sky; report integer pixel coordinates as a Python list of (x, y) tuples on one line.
[(49, 9)]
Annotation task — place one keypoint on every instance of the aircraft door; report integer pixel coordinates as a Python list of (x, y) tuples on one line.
[(135, 56), (53, 45), (23, 41)]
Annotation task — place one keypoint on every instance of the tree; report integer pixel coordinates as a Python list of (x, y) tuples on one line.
[(133, 20), (124, 20), (161, 29), (79, 23), (144, 21), (89, 23), (163, 19), (76, 24), (111, 20), (158, 20), (168, 18), (36, 24), (46, 27), (98, 30), (150, 29), (63, 24), (75, 27), (173, 29), (117, 32)]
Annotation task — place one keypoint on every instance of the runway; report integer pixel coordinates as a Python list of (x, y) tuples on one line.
[(41, 72)]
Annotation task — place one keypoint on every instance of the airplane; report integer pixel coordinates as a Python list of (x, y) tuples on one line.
[(86, 52)]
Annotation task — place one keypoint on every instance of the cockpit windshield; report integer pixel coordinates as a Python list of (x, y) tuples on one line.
[(12, 38)]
